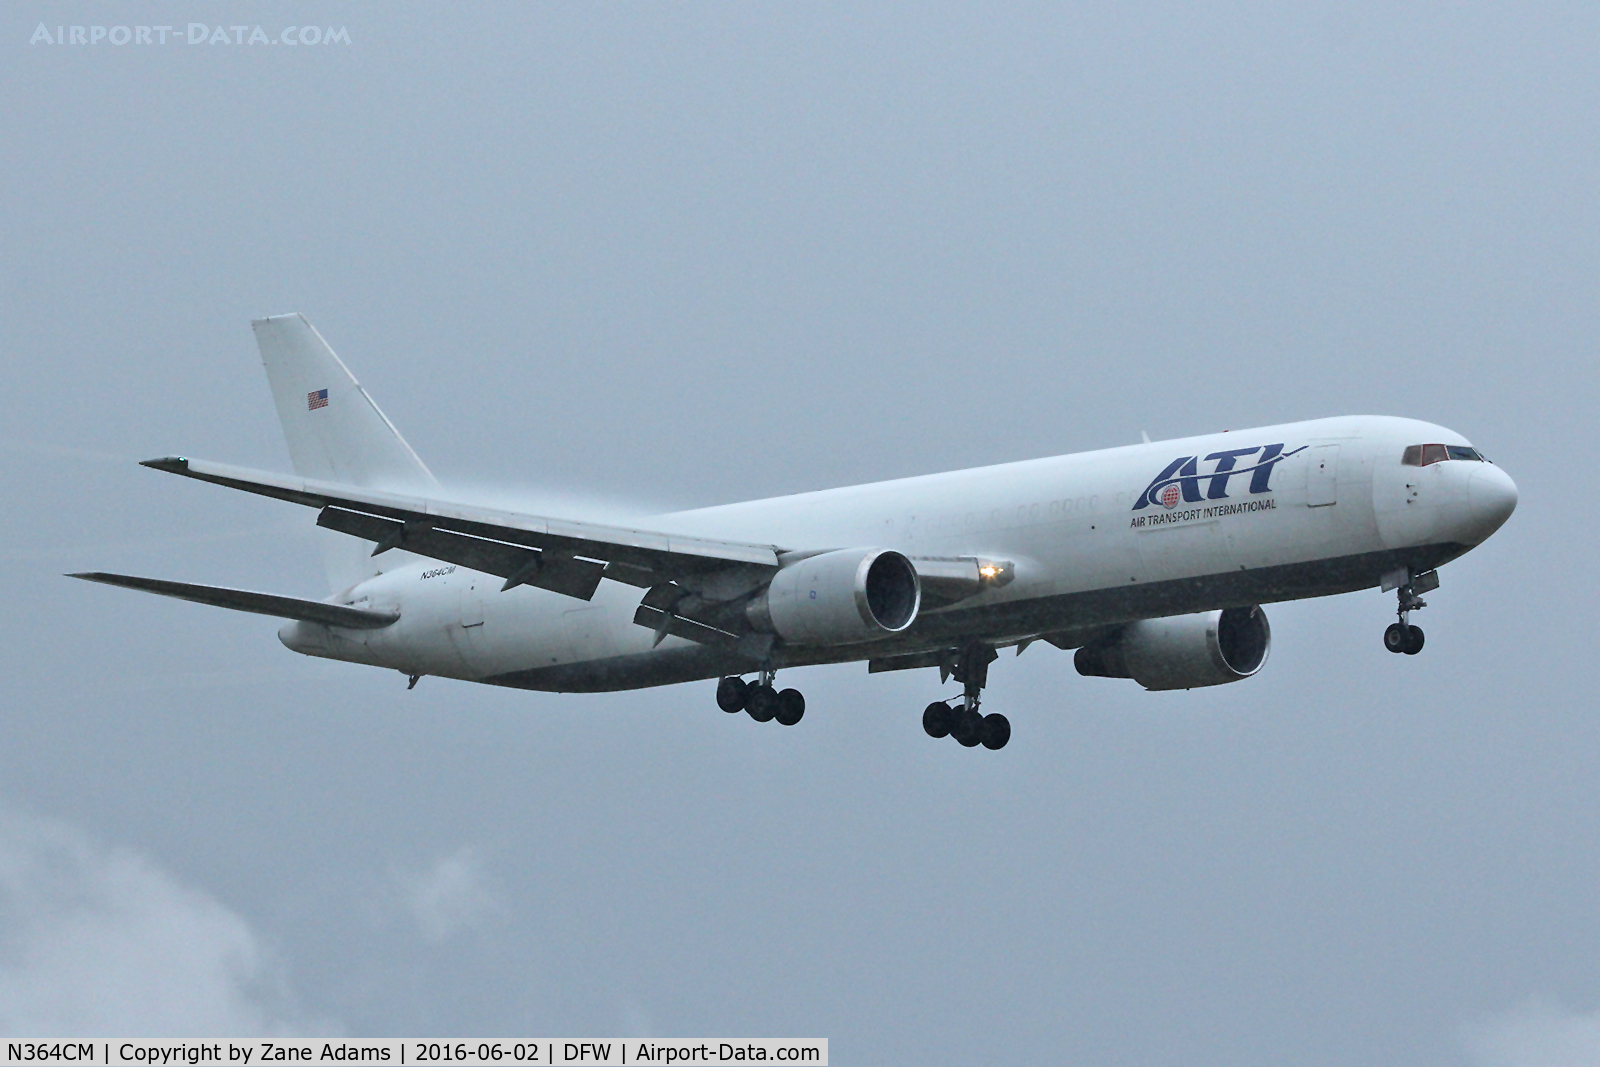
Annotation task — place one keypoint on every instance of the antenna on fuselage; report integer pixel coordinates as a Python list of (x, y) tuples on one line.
[(1145, 436)]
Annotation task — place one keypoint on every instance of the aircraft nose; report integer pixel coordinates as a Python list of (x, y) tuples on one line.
[(1492, 497)]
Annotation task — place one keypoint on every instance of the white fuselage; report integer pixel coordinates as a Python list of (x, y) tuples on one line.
[(1338, 513)]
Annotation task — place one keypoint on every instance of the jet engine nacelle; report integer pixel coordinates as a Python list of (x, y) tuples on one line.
[(838, 598), (1183, 651)]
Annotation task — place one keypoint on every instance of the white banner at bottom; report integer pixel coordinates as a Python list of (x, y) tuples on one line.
[(531, 1052)]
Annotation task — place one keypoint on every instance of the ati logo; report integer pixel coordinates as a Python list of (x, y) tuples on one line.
[(1180, 482)]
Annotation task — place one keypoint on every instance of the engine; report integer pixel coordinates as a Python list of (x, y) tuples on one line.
[(1183, 651), (838, 598)]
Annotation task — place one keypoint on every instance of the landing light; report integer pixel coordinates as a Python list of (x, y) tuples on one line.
[(995, 572)]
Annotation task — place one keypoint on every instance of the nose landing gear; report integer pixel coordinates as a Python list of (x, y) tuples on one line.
[(1402, 637)]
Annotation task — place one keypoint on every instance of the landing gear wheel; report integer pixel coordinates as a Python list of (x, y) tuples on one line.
[(731, 695), (967, 728), (1402, 636), (791, 705), (1395, 638), (761, 701), (936, 719), (1414, 640), (996, 731)]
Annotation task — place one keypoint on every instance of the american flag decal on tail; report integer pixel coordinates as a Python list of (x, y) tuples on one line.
[(318, 399)]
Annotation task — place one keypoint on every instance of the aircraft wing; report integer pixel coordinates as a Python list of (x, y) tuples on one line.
[(282, 607), (557, 554)]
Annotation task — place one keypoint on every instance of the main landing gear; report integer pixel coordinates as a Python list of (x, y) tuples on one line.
[(1402, 636), (964, 722), (761, 700)]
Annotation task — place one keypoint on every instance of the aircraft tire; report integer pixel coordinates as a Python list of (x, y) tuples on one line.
[(936, 719), (731, 695), (966, 727), (761, 701), (1394, 638), (1414, 639), (791, 706), (996, 731)]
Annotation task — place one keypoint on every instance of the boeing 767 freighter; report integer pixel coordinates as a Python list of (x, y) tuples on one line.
[(1152, 561)]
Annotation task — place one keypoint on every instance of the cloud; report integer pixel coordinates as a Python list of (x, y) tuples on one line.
[(1536, 1034), (97, 940), (453, 895)]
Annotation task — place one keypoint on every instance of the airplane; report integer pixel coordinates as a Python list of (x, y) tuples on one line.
[(1149, 562)]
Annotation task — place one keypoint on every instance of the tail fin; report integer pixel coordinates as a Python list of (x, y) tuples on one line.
[(334, 430)]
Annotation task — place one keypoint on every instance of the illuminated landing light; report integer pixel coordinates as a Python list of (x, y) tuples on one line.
[(995, 573)]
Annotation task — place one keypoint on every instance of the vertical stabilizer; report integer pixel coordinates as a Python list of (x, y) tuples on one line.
[(334, 430)]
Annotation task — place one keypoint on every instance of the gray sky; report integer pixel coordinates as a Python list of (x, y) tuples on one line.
[(667, 255)]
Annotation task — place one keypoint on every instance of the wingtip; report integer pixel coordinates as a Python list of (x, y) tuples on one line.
[(170, 464)]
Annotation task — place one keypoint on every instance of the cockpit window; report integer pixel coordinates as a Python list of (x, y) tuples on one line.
[(1423, 455)]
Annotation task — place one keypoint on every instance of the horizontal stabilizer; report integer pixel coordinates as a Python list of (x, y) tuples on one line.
[(282, 607)]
